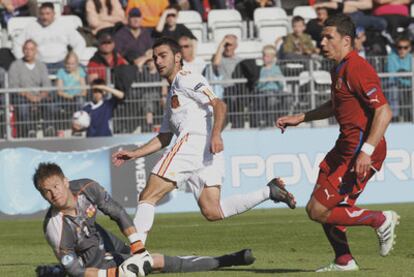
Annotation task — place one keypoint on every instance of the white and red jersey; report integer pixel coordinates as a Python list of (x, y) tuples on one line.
[(187, 110)]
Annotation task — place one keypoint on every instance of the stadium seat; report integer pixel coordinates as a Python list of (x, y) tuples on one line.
[(71, 21), (250, 49), (307, 12), (192, 20), (86, 55), (245, 49), (270, 23), (16, 25), (289, 5), (223, 22), (206, 50), (321, 77)]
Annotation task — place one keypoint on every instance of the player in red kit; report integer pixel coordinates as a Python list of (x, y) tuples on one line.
[(363, 114)]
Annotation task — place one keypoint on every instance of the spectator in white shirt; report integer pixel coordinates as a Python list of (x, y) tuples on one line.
[(52, 38), (191, 62)]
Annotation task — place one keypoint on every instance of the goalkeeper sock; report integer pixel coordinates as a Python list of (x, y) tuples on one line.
[(189, 264), (354, 216), (337, 239), (237, 204), (143, 220), (242, 257)]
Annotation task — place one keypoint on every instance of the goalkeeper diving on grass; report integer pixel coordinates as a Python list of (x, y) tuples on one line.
[(84, 248)]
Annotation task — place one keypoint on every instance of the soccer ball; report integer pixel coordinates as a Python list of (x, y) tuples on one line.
[(136, 265), (82, 119)]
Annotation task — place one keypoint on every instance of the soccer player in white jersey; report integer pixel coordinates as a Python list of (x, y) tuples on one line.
[(195, 162)]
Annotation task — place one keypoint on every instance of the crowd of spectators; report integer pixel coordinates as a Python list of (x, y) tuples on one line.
[(123, 33)]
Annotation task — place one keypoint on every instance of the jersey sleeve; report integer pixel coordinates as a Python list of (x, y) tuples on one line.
[(196, 87), (104, 202), (365, 83), (165, 124)]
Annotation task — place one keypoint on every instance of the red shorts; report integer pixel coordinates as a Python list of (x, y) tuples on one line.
[(337, 182), (348, 192)]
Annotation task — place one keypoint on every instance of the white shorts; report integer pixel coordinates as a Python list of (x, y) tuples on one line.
[(191, 165)]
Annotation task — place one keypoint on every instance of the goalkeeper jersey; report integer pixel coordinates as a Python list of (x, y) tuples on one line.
[(78, 241)]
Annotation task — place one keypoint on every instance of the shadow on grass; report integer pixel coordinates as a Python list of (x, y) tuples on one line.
[(267, 270), (275, 270)]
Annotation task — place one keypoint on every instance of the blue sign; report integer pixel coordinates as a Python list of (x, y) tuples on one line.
[(19, 196), (252, 158)]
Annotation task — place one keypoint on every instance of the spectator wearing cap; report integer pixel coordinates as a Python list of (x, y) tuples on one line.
[(150, 9), (132, 41), (103, 14), (168, 26), (52, 37), (105, 57)]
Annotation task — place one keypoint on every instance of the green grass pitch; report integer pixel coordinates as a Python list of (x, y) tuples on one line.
[(285, 243)]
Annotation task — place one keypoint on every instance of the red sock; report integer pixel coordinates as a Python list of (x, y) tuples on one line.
[(354, 216), (344, 259), (337, 238)]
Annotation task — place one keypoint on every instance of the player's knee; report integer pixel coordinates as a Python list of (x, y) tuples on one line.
[(152, 195), (211, 214), (313, 213)]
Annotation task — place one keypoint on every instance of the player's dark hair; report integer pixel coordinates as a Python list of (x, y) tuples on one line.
[(48, 5), (44, 171), (297, 18), (170, 42), (344, 26)]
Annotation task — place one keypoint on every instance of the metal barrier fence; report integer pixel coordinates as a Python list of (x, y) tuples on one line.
[(303, 85)]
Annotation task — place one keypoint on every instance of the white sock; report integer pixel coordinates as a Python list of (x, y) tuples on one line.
[(143, 220), (237, 204)]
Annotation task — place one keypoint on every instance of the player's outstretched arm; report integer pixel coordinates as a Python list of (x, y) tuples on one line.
[(321, 112), (289, 120), (380, 122), (155, 144), (220, 112)]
